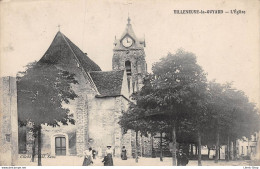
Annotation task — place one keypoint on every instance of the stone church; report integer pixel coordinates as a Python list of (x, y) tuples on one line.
[(102, 96)]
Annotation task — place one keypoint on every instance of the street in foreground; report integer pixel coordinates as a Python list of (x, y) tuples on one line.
[(77, 161)]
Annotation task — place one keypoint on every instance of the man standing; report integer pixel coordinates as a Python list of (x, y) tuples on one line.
[(182, 159)]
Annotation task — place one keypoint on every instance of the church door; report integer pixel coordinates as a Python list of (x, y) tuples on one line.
[(60, 146)]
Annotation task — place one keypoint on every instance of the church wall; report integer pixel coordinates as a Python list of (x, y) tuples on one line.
[(104, 129), (126, 141), (101, 122), (119, 107), (126, 138)]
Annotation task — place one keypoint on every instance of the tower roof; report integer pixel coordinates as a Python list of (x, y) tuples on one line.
[(139, 44), (129, 30)]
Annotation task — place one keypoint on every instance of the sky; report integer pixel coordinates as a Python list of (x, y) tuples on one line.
[(226, 45)]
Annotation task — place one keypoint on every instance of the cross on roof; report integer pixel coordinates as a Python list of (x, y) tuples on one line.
[(128, 3), (59, 27)]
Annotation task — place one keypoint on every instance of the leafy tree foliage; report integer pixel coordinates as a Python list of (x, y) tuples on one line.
[(190, 109), (231, 115), (42, 91)]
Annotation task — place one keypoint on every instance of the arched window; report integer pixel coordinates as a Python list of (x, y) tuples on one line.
[(128, 68)]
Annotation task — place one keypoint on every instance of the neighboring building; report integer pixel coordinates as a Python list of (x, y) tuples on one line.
[(258, 147), (247, 147), (8, 121)]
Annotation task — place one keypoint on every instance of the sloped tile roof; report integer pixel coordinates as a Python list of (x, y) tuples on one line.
[(108, 83), (60, 49)]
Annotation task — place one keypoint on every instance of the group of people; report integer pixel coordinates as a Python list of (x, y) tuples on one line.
[(90, 154)]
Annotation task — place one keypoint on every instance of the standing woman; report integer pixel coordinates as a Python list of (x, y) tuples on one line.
[(109, 156), (123, 154), (87, 157)]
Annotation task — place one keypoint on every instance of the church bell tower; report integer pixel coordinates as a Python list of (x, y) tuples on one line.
[(129, 55)]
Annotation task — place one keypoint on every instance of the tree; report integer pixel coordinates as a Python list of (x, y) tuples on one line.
[(171, 90), (42, 91), (199, 121), (243, 117), (218, 116), (177, 94), (231, 114)]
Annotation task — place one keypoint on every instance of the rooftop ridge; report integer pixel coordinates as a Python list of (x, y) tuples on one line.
[(91, 80)]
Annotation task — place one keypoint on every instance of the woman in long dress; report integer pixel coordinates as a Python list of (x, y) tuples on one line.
[(109, 157), (87, 157), (123, 154)]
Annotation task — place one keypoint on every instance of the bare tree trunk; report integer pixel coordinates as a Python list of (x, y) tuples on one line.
[(235, 149), (196, 150), (199, 149), (136, 146), (217, 148), (231, 150), (161, 149), (151, 145), (228, 149), (142, 146), (39, 146), (153, 156), (33, 149), (208, 152), (174, 163), (191, 150)]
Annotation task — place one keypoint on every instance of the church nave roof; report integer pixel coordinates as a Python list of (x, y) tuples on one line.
[(61, 48), (108, 83)]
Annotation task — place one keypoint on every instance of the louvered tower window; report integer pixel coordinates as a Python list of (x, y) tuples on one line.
[(128, 68)]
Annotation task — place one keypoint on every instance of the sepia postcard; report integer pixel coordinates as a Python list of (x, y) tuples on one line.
[(129, 83)]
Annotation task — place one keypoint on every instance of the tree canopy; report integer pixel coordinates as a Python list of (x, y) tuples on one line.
[(43, 89), (178, 95)]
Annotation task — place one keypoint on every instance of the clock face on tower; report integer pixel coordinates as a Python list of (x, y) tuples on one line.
[(127, 42)]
